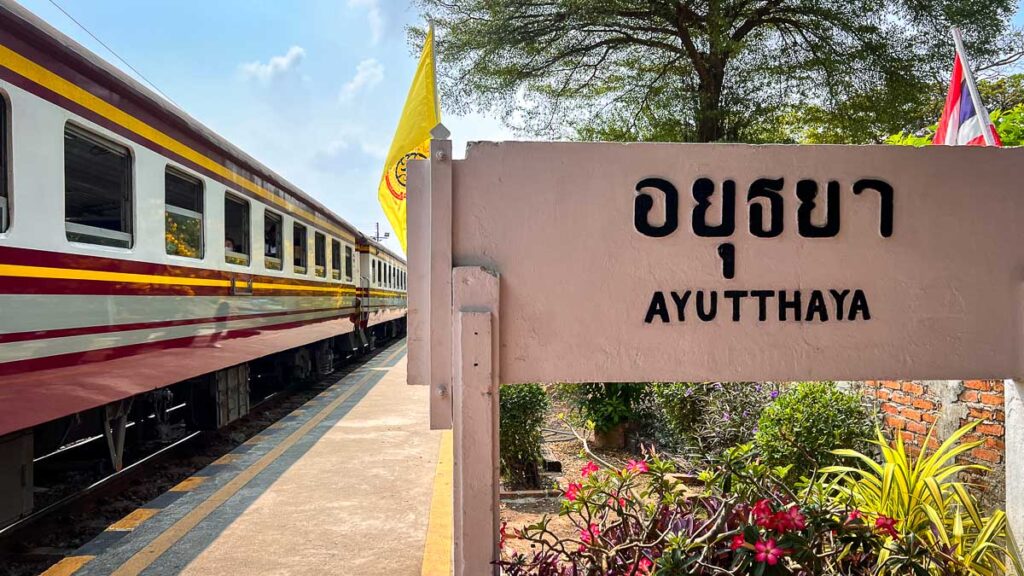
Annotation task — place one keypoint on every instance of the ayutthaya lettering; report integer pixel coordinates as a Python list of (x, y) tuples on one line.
[(830, 305), (763, 191)]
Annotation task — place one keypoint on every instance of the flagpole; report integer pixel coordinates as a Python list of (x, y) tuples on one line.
[(979, 108)]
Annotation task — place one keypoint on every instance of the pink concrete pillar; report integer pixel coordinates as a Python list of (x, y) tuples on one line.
[(418, 220), (440, 253), (475, 370)]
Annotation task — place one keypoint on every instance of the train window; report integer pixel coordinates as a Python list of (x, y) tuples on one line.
[(299, 248), (5, 209), (236, 230), (272, 229), (348, 263), (183, 214), (97, 190), (335, 259), (319, 254)]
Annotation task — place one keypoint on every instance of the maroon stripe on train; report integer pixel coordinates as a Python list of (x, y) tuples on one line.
[(105, 354), (37, 46), (48, 259), (107, 329)]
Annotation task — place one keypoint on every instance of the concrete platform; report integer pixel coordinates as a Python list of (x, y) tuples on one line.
[(349, 483)]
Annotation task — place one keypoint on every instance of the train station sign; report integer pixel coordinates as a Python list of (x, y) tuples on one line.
[(661, 262)]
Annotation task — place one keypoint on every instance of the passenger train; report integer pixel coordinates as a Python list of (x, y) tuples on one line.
[(147, 262)]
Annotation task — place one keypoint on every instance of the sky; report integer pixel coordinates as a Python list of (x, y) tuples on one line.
[(311, 88)]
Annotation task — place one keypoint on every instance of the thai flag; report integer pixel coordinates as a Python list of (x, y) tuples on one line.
[(961, 124)]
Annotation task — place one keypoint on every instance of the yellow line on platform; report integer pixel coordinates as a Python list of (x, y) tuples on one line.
[(437, 553), (67, 566), (132, 520), (143, 558)]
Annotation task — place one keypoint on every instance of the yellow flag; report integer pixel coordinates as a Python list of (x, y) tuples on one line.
[(412, 138)]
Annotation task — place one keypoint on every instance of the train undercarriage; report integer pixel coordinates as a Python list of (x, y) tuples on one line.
[(109, 437)]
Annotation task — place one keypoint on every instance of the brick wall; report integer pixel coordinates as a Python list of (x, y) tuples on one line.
[(913, 407)]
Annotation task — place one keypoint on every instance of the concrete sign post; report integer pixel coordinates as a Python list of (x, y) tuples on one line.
[(663, 262)]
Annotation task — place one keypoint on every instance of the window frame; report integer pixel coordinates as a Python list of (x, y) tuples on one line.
[(336, 262), (246, 256), (6, 202), (268, 260), (128, 204), (172, 170), (304, 268), (349, 258), (320, 271)]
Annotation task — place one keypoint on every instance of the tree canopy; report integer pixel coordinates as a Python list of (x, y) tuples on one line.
[(710, 70)]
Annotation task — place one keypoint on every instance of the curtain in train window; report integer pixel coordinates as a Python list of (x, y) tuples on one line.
[(236, 231), (183, 214), (300, 249), (348, 263), (97, 190), (319, 254), (335, 259), (5, 206), (272, 232)]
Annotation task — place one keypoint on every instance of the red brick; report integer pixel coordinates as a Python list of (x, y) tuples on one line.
[(894, 422), (986, 455), (895, 385), (983, 385), (980, 414), (901, 398), (923, 404), (995, 444), (929, 417), (911, 414), (997, 386), (917, 427), (970, 396), (912, 388), (911, 438), (890, 409), (990, 429), (992, 399)]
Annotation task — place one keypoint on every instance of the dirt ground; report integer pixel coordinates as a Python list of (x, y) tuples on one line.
[(560, 444)]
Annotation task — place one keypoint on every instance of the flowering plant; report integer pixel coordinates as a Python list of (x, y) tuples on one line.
[(639, 518)]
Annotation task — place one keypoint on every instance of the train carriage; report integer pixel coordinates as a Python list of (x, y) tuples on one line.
[(138, 251)]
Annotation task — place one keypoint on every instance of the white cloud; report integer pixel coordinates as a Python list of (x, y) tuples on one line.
[(275, 67), (374, 150), (369, 73), (374, 16)]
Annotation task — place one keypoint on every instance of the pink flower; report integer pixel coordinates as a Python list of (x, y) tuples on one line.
[(795, 520), (762, 512), (887, 526), (589, 469), (590, 533), (502, 535), (738, 541), (645, 565), (637, 466), (573, 491), (612, 502), (767, 552), (854, 515)]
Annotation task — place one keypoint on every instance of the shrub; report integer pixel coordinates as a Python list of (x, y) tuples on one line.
[(605, 405), (705, 418), (523, 410), (807, 422), (638, 519), (922, 506)]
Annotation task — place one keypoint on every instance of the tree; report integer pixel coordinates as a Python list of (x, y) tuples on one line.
[(708, 70)]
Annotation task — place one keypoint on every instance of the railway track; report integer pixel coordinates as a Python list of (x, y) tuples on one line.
[(39, 540)]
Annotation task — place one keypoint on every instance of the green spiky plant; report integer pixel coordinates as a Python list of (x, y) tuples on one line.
[(938, 528)]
